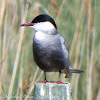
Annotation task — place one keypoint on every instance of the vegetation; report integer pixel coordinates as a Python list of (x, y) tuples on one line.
[(77, 20)]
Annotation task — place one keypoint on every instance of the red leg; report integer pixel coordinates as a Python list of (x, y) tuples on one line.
[(59, 82), (45, 81)]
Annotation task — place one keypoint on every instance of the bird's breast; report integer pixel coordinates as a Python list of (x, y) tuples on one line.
[(46, 41)]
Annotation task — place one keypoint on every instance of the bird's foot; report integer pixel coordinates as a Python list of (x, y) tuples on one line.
[(45, 81), (59, 82)]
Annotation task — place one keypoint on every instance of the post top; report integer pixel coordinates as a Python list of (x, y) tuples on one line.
[(51, 91)]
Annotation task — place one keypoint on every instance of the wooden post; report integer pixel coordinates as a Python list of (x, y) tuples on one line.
[(51, 91)]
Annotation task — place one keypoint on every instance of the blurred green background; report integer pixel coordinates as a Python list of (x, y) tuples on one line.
[(79, 23)]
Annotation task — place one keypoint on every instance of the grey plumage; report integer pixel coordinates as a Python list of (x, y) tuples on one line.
[(51, 54)]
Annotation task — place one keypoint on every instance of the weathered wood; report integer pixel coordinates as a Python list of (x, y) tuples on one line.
[(51, 91)]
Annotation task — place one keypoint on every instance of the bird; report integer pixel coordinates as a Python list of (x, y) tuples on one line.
[(50, 50)]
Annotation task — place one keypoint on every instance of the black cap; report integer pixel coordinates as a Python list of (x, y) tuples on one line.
[(44, 18)]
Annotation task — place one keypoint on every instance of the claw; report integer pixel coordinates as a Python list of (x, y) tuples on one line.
[(45, 81)]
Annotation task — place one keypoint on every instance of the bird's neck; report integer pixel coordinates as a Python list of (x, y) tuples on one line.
[(43, 36)]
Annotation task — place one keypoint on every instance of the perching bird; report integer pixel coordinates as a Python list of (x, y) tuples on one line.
[(50, 50)]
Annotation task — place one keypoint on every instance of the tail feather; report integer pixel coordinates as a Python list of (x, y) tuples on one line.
[(73, 70), (70, 70)]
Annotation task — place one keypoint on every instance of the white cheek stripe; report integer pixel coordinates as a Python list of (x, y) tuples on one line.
[(43, 26)]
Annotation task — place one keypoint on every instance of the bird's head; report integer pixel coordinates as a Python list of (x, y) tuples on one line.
[(42, 23)]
